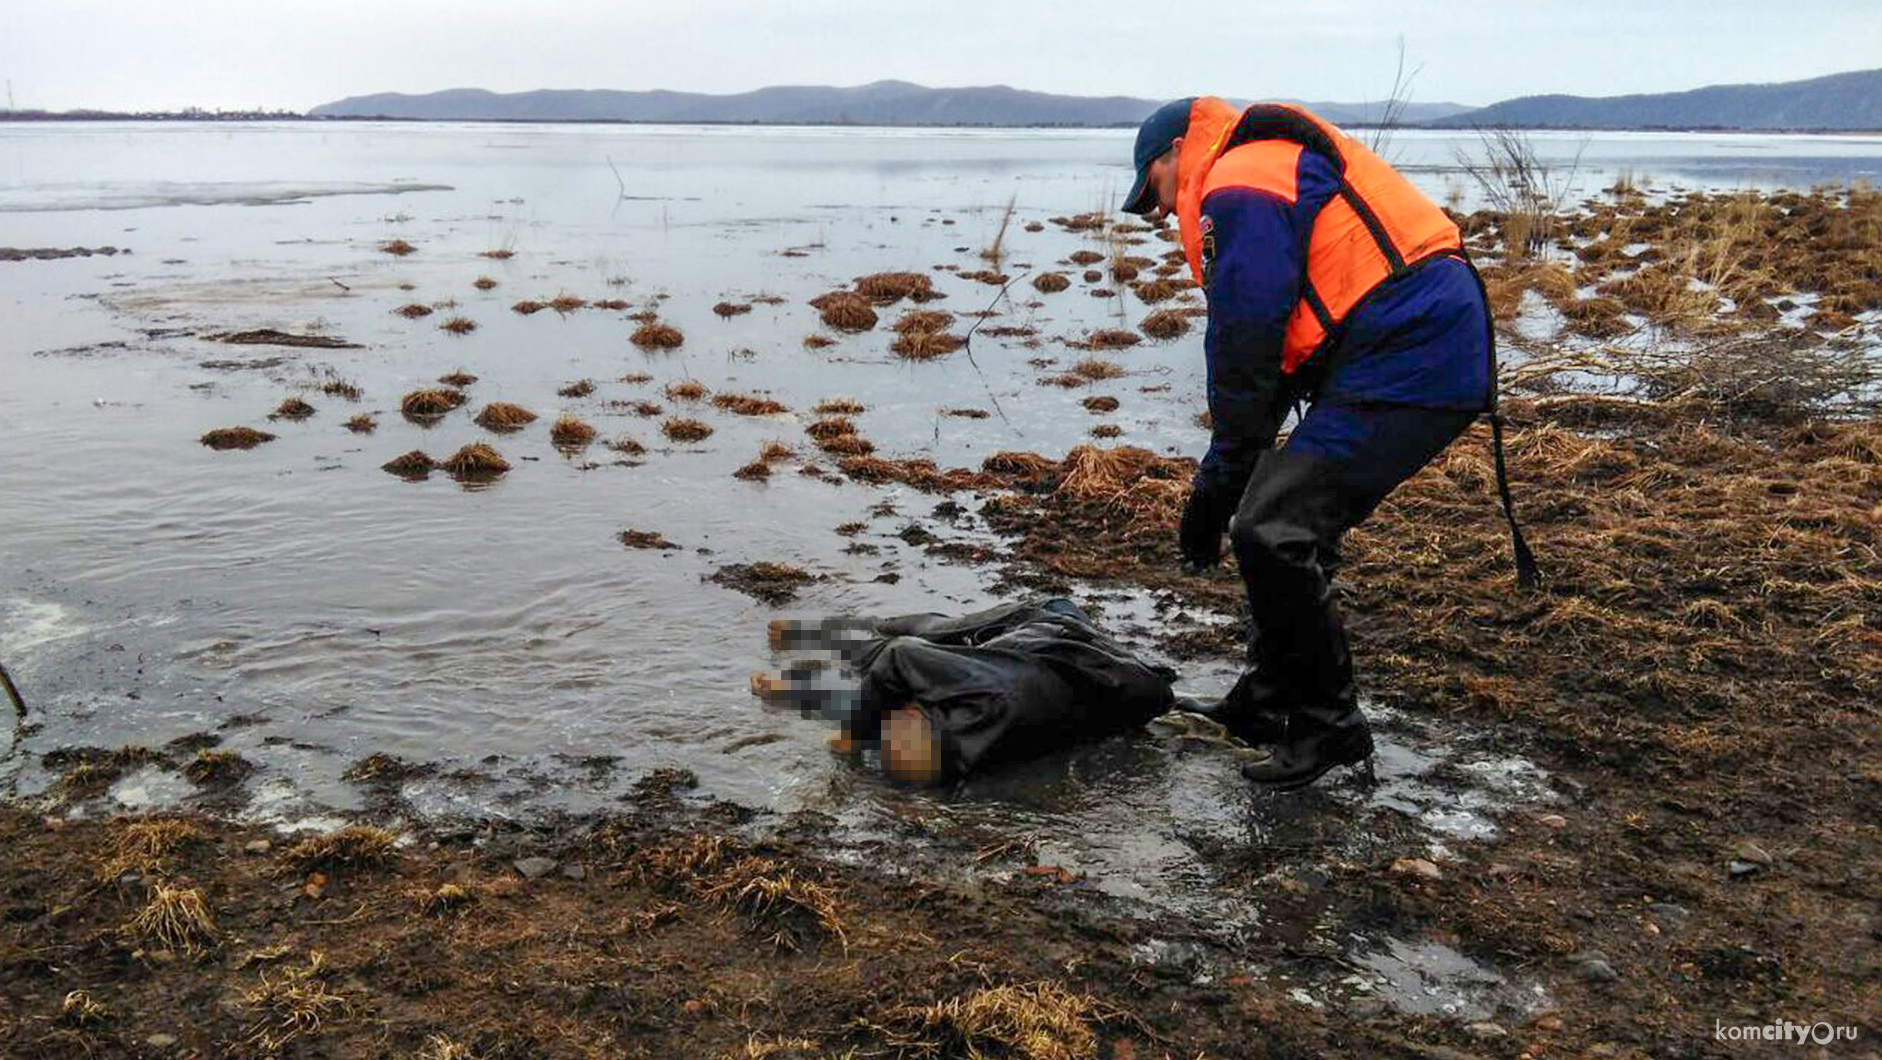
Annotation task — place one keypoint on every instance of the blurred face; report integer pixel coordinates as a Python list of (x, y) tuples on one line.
[(1163, 181)]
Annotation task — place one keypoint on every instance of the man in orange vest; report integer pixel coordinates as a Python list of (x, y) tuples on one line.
[(1330, 280)]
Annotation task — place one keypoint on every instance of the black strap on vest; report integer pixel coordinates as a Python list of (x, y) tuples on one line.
[(1267, 121), (1528, 574)]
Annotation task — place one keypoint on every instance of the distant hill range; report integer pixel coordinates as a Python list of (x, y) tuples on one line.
[(880, 103), (1840, 101)]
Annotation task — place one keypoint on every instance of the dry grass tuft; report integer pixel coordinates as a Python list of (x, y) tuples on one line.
[(886, 287), (818, 342), (923, 320), (1110, 339), (1154, 291), (753, 471), (412, 465), (570, 432), (500, 254), (1085, 257), (566, 303), (176, 918), (581, 388), (839, 406), (146, 847), (292, 1005), (1100, 403), (459, 326), (1013, 462), (501, 416), (1093, 368), (732, 309), (397, 247), (1166, 324), (449, 897), (484, 283), (831, 426), (780, 899), (80, 1010), (657, 336), (1050, 282), (967, 414), (845, 311), (474, 462), (627, 445), (686, 390), (529, 307), (685, 429), (217, 768), (235, 438), (847, 445), (438, 1047), (357, 846), (292, 408), (340, 388), (774, 451), (747, 405), (1033, 1021), (413, 310), (431, 402), (457, 378), (926, 345)]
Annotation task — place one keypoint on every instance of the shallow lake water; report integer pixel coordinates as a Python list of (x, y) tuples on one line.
[(315, 610)]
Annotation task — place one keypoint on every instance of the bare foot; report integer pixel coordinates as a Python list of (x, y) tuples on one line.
[(776, 632), (911, 754), (841, 743), (766, 686)]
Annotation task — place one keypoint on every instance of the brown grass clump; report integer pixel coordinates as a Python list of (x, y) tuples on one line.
[(1111, 339), (449, 897), (831, 426), (839, 406), (474, 462), (459, 326), (1127, 477), (626, 445), (1166, 324), (566, 303), (846, 311), (886, 287), (291, 1006), (657, 336), (1013, 462), (967, 414), (767, 581), (926, 345), (430, 403), (412, 465), (1034, 1021), (732, 309), (340, 388), (645, 539), (501, 416), (80, 1010), (778, 898), (1092, 276), (1154, 291), (818, 342), (608, 303), (176, 918), (292, 409), (235, 438), (747, 405), (869, 468), (397, 247), (483, 283), (500, 254), (990, 277), (755, 470), (217, 768), (1093, 368), (570, 432), (686, 390), (1050, 282), (147, 847), (413, 310), (774, 451), (684, 429), (1085, 257), (645, 408), (1103, 403), (1065, 380), (581, 388), (457, 378), (847, 445), (357, 846), (1106, 430), (923, 320), (637, 377), (529, 307)]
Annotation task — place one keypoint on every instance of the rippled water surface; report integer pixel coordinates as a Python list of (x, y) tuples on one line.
[(315, 610)]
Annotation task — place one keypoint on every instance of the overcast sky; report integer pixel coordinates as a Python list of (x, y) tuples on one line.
[(163, 54)]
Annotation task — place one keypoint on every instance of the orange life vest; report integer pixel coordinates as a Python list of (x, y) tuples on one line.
[(1376, 227)]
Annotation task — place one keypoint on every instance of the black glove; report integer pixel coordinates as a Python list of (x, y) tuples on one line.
[(1199, 537)]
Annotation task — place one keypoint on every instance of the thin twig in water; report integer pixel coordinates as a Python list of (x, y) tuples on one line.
[(617, 176), (13, 693), (967, 343)]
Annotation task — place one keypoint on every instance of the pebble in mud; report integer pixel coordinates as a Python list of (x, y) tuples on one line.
[(536, 867), (1593, 967)]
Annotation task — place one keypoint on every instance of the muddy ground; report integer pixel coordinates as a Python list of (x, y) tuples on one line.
[(1698, 673)]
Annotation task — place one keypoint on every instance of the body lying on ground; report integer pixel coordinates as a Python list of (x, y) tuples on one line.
[(941, 697)]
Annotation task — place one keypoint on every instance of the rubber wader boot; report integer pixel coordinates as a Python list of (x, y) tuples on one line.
[(1325, 729), (1255, 709)]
